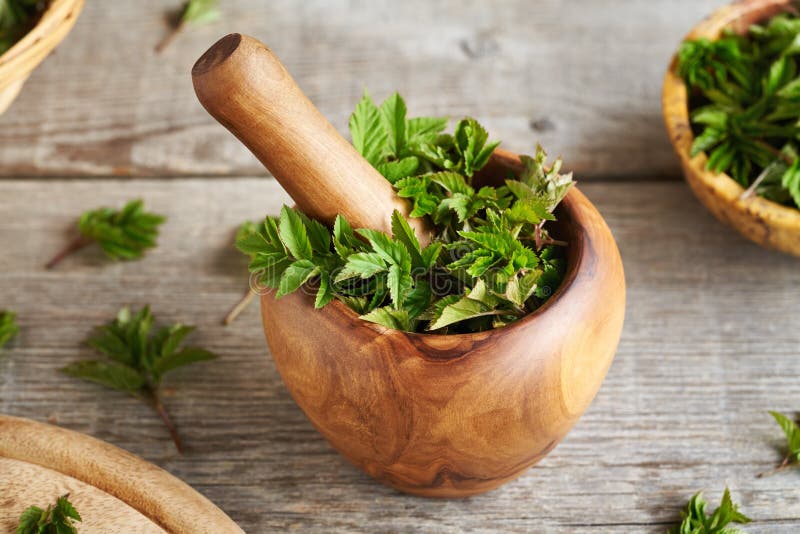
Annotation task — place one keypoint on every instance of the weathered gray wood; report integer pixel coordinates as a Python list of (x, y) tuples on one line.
[(583, 78), (709, 345)]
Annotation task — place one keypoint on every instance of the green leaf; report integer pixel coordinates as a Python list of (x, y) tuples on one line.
[(294, 234), (403, 233), (392, 252), (344, 240), (791, 431), (400, 283), (393, 117), (430, 254), (325, 293), (494, 240), (30, 519), (8, 327), (471, 143), (122, 234), (695, 520), (137, 357), (390, 318), (363, 265), (57, 519), (461, 310), (250, 240), (399, 169), (418, 299), (65, 508), (791, 181), (318, 234), (452, 182), (295, 275), (424, 129), (200, 11), (367, 131), (181, 358), (113, 375)]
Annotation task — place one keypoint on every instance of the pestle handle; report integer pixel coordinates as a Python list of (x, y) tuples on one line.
[(243, 85)]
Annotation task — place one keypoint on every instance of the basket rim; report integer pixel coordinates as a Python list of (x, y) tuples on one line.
[(26, 54)]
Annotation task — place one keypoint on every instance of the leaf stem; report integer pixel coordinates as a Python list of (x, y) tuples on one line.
[(155, 401), (74, 246), (752, 189), (239, 307), (777, 153), (785, 464), (173, 33)]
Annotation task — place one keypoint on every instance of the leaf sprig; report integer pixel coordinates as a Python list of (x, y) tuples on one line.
[(123, 234), (745, 106), (17, 17), (792, 458), (8, 327), (695, 520), (491, 260), (137, 359), (192, 12), (58, 518)]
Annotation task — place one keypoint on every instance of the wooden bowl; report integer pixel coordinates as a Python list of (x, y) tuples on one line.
[(762, 221), (457, 415), (18, 62)]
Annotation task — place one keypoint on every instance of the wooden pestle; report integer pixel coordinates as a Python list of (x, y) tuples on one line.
[(243, 85)]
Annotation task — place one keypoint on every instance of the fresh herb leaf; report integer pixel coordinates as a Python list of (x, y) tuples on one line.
[(8, 327), (695, 520), (491, 261), (137, 358), (123, 234), (745, 105), (58, 518), (393, 116), (791, 459), (193, 12), (366, 128)]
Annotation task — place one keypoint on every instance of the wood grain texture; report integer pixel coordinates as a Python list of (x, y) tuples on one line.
[(760, 220), (581, 77), (457, 415), (23, 484), (122, 492), (709, 344), (243, 85)]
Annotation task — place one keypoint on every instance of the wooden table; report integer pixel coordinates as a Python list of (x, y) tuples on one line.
[(711, 339)]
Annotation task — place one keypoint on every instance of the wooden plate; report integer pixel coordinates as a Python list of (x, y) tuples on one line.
[(113, 490)]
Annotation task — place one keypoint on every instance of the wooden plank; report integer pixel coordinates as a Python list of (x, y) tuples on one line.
[(582, 78), (709, 345)]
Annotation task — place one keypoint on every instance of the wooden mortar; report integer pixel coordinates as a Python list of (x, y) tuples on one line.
[(760, 220), (442, 415)]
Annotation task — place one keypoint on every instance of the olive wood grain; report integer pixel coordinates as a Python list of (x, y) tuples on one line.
[(760, 220), (457, 415), (113, 490), (246, 88)]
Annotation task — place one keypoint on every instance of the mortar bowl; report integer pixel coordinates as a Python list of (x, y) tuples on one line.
[(458, 415)]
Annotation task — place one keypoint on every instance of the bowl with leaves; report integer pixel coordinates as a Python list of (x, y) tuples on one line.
[(29, 31), (731, 103), (442, 311)]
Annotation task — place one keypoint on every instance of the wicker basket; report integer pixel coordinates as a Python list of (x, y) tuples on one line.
[(19, 60)]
